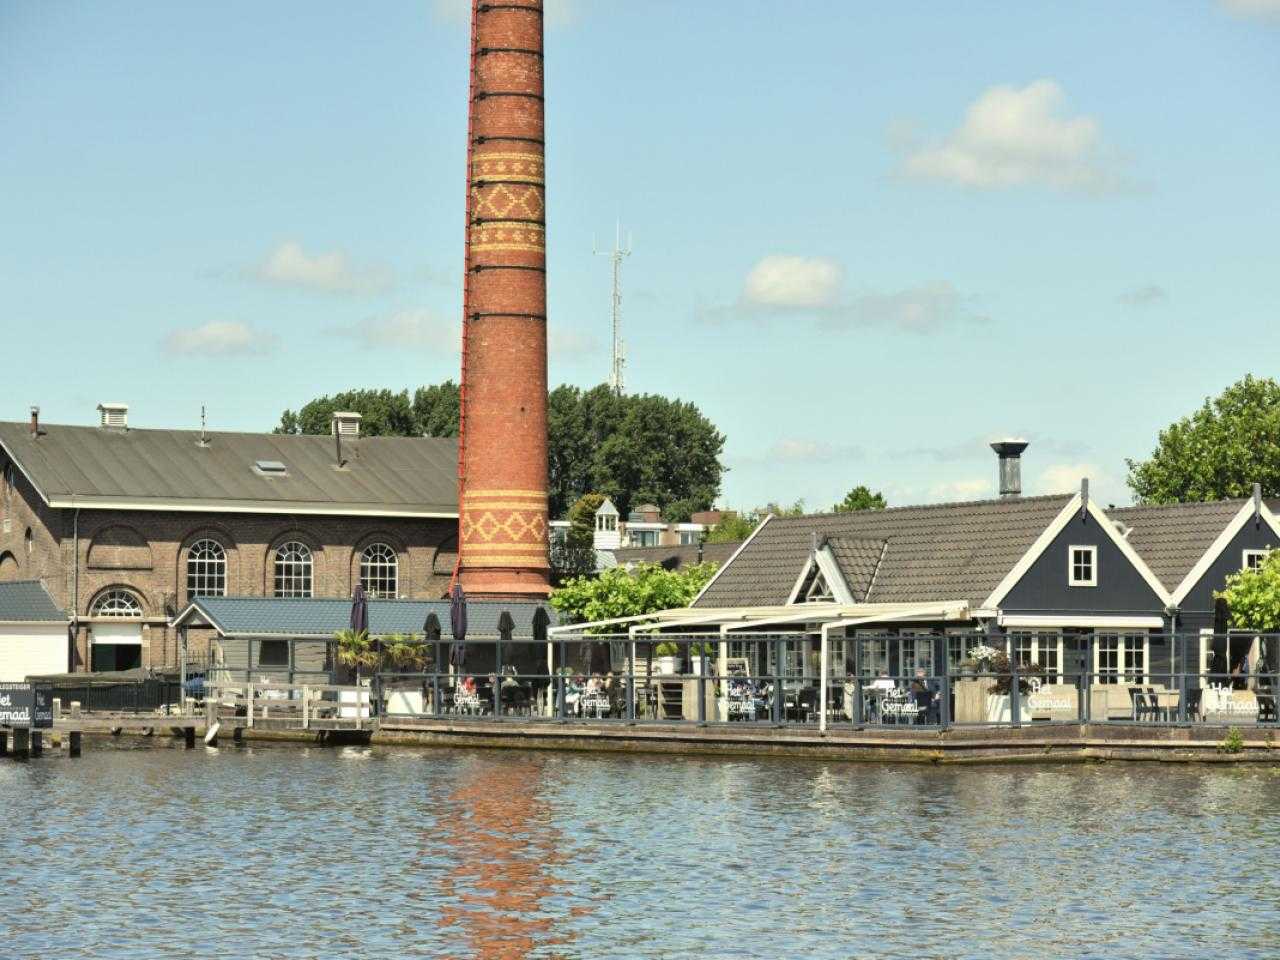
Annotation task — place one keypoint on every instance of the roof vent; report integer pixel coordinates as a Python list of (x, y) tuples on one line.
[(115, 416), (1010, 454), (345, 423), (270, 468)]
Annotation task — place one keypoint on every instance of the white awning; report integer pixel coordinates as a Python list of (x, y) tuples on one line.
[(130, 633), (1087, 620)]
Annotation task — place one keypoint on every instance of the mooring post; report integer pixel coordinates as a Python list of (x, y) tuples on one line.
[(37, 743), (21, 743), (189, 737), (75, 709), (73, 743), (4, 743)]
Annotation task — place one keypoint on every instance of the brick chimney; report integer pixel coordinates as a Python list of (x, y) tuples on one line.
[(502, 482), (35, 421)]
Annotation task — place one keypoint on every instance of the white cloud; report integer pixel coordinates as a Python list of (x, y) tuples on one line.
[(920, 309), (556, 13), (785, 281), (783, 287), (1066, 477), (1253, 9), (219, 339), (966, 488), (1015, 136), (803, 450), (290, 265), (1146, 296), (417, 329)]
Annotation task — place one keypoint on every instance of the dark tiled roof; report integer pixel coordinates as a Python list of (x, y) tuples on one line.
[(416, 475), (1172, 538), (319, 616), (28, 601), (950, 551), (676, 556), (858, 560)]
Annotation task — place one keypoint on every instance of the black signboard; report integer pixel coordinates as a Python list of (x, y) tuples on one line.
[(26, 705)]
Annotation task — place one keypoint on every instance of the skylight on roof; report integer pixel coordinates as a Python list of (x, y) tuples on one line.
[(270, 468)]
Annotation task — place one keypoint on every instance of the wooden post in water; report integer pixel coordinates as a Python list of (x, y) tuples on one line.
[(189, 737), (21, 742), (37, 743), (4, 742), (73, 747)]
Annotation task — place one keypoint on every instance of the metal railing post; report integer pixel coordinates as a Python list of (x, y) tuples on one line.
[(1015, 694), (631, 684), (562, 708), (944, 709), (778, 651), (1184, 689), (497, 679)]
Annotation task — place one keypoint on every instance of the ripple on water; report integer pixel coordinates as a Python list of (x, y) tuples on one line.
[(287, 852)]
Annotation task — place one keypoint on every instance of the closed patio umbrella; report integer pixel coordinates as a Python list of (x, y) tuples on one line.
[(458, 624), (359, 616)]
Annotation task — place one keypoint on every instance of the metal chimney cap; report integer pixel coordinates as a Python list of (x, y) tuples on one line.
[(1010, 448)]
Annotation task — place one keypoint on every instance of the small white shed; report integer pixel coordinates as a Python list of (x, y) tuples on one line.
[(33, 632)]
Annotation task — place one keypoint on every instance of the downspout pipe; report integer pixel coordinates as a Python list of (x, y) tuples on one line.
[(75, 585)]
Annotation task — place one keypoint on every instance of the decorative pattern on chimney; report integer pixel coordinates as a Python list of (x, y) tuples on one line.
[(502, 526)]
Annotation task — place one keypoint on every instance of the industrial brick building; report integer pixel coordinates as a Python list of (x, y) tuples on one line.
[(125, 526)]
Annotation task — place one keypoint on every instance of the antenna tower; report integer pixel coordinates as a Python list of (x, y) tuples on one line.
[(616, 255)]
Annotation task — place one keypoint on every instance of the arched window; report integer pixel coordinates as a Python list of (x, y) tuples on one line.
[(380, 571), (293, 570), (117, 603), (206, 569)]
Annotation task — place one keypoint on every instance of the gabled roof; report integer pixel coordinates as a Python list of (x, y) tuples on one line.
[(27, 601), (949, 551), (322, 617), (1172, 538), (72, 466)]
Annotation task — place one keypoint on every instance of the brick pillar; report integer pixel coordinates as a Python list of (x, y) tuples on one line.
[(503, 450)]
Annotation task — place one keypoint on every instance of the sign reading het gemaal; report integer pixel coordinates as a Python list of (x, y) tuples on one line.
[(26, 705)]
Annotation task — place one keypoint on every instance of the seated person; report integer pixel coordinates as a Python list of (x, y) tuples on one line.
[(882, 681), (923, 694)]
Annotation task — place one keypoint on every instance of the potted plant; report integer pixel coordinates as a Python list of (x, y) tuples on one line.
[(983, 657), (667, 657)]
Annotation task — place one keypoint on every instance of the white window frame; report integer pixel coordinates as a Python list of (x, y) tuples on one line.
[(910, 639), (873, 654), (1253, 559), (206, 569), (1039, 646), (819, 590), (293, 576), (380, 575), (117, 605), (1092, 579), (1125, 643)]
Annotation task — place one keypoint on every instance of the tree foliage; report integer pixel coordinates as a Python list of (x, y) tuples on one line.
[(1253, 597), (576, 555), (626, 593), (1219, 451), (632, 448), (860, 498), (731, 529)]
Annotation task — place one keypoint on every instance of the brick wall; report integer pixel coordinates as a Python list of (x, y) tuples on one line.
[(145, 552)]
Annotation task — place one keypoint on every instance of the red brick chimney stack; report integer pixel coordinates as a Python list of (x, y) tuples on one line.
[(503, 443)]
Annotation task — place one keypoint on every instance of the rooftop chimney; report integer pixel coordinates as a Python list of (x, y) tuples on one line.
[(345, 423), (35, 421), (115, 416), (1010, 454)]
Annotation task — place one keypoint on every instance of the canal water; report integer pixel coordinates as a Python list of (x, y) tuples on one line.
[(276, 851)]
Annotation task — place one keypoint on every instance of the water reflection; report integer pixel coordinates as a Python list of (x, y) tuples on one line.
[(504, 853), (282, 852)]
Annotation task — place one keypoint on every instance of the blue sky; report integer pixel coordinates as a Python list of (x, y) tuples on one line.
[(869, 237)]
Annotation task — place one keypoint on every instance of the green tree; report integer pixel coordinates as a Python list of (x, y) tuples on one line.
[(1219, 451), (731, 529), (1253, 597), (633, 448), (860, 498), (382, 413), (575, 556), (436, 410), (625, 593)]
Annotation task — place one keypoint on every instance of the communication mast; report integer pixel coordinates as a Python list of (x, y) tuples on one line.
[(616, 255)]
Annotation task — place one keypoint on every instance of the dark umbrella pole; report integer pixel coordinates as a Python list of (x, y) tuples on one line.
[(458, 626)]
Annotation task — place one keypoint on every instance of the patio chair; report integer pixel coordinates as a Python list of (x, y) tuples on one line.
[(1194, 696), (1266, 708)]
